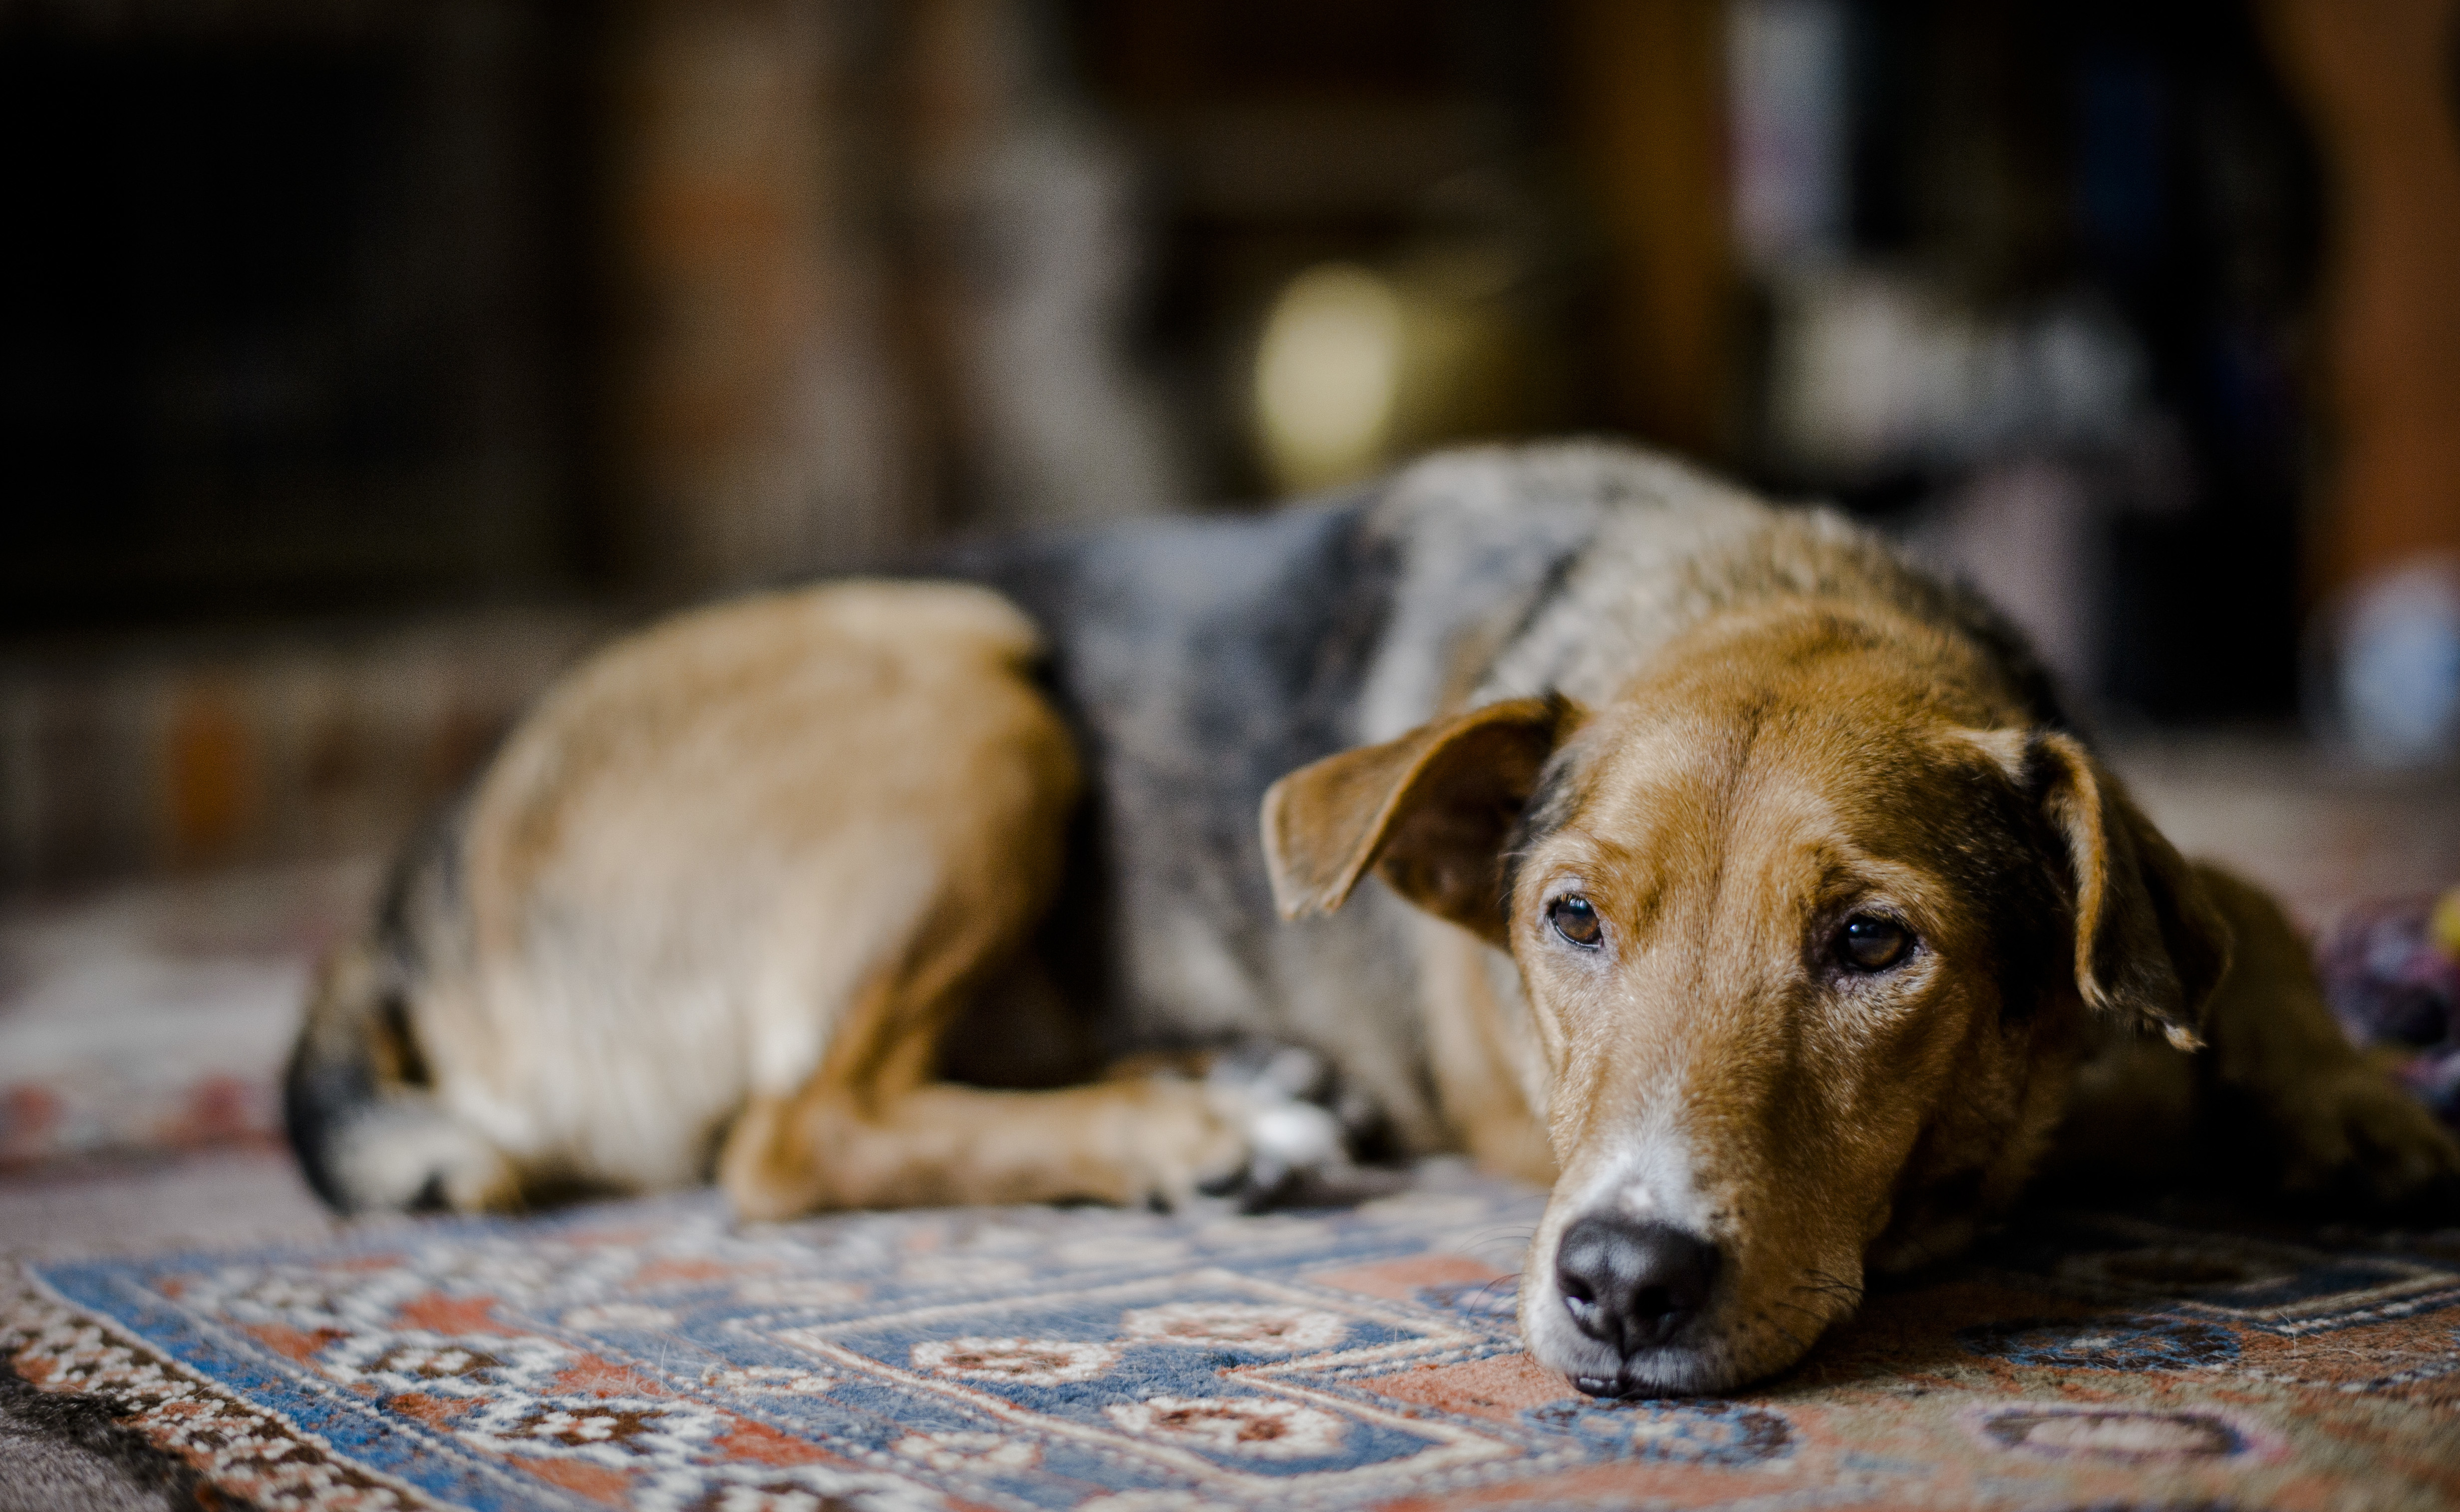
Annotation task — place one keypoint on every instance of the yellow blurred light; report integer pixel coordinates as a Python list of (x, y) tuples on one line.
[(2444, 927), (1327, 376)]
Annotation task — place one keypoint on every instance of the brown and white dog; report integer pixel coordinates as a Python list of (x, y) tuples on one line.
[(1703, 859)]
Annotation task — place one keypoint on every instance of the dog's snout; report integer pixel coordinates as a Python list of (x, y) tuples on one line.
[(1631, 1285)]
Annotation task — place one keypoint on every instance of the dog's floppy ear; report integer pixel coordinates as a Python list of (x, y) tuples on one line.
[(2150, 944), (1430, 812)]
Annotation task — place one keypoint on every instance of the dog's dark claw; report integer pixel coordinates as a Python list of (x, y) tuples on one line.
[(1270, 1184)]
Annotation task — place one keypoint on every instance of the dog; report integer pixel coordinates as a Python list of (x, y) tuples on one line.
[(1704, 859)]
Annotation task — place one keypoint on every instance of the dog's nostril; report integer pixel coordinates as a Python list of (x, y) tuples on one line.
[(1632, 1285)]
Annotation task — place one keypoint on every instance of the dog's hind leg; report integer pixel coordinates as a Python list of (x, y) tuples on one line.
[(743, 867), (870, 1129), (907, 878), (1158, 1140)]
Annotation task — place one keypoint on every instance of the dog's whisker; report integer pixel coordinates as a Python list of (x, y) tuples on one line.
[(1826, 1284), (1811, 1313), (1799, 1344), (1483, 1292)]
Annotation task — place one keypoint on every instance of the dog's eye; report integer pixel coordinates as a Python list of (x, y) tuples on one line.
[(1869, 943), (1575, 919)]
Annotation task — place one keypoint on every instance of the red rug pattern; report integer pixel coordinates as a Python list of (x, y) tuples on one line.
[(656, 1355)]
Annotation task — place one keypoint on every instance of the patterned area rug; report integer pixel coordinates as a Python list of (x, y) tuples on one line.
[(655, 1355)]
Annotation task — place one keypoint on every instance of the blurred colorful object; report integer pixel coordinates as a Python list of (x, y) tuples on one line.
[(2392, 972), (2395, 698)]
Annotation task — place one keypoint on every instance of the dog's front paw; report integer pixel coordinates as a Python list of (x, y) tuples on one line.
[(1302, 1128), (2355, 1135)]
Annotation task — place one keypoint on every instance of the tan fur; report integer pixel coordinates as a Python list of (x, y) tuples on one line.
[(760, 853)]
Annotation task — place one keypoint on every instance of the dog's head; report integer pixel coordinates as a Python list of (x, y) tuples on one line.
[(1809, 925)]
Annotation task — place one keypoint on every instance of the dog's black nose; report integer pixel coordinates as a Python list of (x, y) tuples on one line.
[(1631, 1285)]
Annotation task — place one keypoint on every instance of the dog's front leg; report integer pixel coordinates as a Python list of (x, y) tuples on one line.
[(2341, 1130)]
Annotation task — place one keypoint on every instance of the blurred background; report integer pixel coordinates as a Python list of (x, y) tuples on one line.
[(363, 361)]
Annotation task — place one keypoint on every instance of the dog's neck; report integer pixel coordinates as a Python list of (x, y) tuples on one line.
[(1674, 582)]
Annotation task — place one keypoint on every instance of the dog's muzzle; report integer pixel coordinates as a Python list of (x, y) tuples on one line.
[(1631, 1286)]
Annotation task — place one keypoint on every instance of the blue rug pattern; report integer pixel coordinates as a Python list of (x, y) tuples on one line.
[(657, 1355)]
